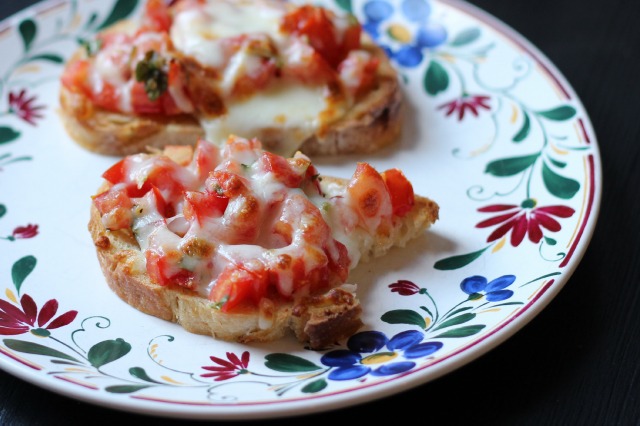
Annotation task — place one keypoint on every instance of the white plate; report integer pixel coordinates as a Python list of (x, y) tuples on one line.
[(490, 122)]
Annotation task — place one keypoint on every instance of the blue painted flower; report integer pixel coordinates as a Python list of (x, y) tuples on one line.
[(354, 362), (404, 42), (476, 286)]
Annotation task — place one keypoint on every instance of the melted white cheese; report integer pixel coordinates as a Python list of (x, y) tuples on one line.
[(290, 110), (197, 32)]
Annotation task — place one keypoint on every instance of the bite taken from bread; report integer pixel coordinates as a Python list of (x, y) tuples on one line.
[(241, 244), (297, 77)]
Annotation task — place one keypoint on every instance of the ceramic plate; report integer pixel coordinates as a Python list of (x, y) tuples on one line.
[(493, 133)]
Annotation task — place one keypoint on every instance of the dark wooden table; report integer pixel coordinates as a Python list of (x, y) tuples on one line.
[(576, 363)]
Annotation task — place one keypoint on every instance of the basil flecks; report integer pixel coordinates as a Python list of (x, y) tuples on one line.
[(152, 72)]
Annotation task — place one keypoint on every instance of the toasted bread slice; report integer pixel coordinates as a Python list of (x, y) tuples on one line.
[(348, 122), (317, 315)]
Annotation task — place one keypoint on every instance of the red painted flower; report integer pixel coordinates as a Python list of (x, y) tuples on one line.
[(466, 103), (23, 106), (228, 369), (522, 220), (14, 320), (24, 232), (404, 288)]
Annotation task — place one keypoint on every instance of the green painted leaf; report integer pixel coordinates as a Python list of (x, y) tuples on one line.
[(524, 130), (107, 351), (427, 310), (315, 386), (36, 349), (560, 113), (125, 388), (21, 270), (457, 262), (436, 79), (345, 5), (559, 186), (7, 134), (3, 210), (404, 316), (466, 331), (511, 166), (550, 241), (40, 332), (28, 30), (465, 37), (460, 319), (121, 10), (65, 362), (47, 57), (559, 164), (507, 304), (457, 311), (91, 20), (141, 374), (286, 363)]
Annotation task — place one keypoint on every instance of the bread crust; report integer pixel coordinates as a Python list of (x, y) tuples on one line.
[(316, 320), (110, 133), (373, 122)]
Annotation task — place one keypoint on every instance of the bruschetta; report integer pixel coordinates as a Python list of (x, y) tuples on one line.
[(245, 245), (297, 77)]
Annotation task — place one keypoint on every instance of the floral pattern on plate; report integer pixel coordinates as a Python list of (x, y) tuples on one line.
[(494, 135)]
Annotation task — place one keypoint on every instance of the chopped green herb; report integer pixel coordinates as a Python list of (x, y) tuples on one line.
[(152, 72), (220, 304)]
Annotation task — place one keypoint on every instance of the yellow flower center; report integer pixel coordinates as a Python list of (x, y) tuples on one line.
[(399, 33), (379, 358)]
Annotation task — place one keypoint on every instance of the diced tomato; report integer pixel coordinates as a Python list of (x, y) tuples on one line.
[(312, 176), (117, 172), (141, 103), (236, 285), (400, 190), (259, 78), (112, 199), (226, 183), (316, 23), (367, 190), (340, 265), (205, 158), (290, 172), (243, 220), (169, 106), (368, 76), (157, 16), (360, 69), (310, 69), (164, 208), (76, 77), (164, 175), (176, 79), (108, 98), (115, 207), (235, 146), (202, 205), (164, 269), (351, 37)]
